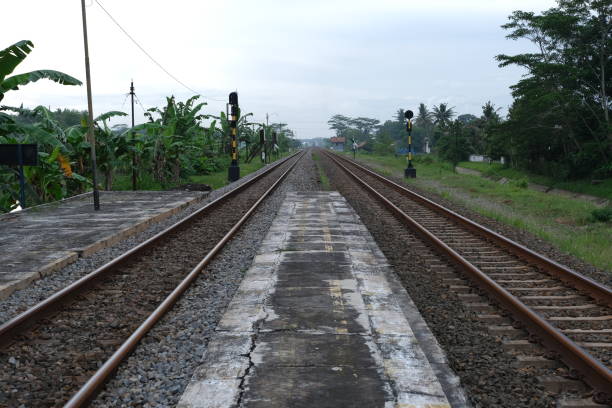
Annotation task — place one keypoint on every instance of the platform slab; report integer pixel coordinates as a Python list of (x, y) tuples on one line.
[(318, 321), (39, 240)]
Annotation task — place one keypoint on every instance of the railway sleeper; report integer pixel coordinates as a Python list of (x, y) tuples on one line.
[(557, 384), (578, 403), (523, 346), (506, 331), (526, 361)]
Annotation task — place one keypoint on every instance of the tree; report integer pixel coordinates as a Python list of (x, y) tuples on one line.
[(424, 120), (110, 145), (339, 123), (364, 125), (48, 179), (442, 115), (173, 136), (467, 118), (454, 145), (559, 120), (14, 55)]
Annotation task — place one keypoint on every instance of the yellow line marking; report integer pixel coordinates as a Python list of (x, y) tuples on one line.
[(328, 239)]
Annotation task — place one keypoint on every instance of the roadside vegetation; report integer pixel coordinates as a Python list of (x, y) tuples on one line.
[(178, 144), (597, 188), (575, 226)]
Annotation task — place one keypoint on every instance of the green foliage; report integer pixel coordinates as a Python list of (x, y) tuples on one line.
[(559, 122), (454, 145), (358, 129), (520, 183), (14, 55), (601, 215), (442, 115)]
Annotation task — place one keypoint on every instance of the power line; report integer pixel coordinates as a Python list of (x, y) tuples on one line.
[(145, 52), (139, 103), (123, 104)]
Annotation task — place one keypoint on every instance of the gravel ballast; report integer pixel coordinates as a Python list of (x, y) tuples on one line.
[(518, 235), (40, 289), (156, 374), (488, 373)]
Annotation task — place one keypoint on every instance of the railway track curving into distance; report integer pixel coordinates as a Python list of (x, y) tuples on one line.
[(562, 310), (62, 350)]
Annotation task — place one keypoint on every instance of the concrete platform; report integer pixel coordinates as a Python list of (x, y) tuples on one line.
[(321, 321), (39, 240)]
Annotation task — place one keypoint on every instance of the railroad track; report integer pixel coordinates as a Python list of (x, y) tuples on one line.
[(567, 313), (64, 348)]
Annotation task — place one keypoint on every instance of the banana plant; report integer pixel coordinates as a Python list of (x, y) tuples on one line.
[(53, 178), (110, 146), (46, 178), (175, 132), (224, 130), (14, 55)]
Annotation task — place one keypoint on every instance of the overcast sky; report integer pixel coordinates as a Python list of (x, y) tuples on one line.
[(299, 61)]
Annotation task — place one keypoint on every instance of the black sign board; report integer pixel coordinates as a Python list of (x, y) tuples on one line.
[(408, 114), (9, 154)]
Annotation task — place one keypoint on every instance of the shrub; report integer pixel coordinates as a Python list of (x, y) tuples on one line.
[(601, 215), (603, 171), (425, 159), (520, 183)]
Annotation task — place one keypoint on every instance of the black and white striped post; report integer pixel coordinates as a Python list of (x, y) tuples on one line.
[(409, 171), (234, 171)]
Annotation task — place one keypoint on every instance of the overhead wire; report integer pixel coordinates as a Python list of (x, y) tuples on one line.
[(149, 55), (124, 100), (139, 103)]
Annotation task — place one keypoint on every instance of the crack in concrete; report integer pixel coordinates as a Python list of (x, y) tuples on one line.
[(243, 378), (242, 386)]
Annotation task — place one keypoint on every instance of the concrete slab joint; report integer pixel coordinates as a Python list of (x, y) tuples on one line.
[(317, 323)]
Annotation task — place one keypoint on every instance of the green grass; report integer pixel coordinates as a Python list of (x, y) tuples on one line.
[(324, 180), (214, 180), (496, 170), (565, 222), (219, 179)]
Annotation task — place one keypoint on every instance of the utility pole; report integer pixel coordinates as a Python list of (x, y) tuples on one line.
[(133, 140), (234, 171), (262, 143), (409, 171), (456, 151), (274, 142), (267, 138), (90, 124)]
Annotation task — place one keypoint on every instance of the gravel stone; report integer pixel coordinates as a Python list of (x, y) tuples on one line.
[(487, 372), (171, 352), (39, 290)]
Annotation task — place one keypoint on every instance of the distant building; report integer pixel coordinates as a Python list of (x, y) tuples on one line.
[(338, 143), (479, 158)]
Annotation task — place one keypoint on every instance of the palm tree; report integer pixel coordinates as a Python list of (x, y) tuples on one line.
[(442, 115), (423, 120), (14, 55)]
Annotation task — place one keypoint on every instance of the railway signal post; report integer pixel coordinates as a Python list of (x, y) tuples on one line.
[(409, 171), (234, 171)]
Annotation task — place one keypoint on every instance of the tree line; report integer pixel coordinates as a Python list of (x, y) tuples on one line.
[(177, 141), (559, 122)]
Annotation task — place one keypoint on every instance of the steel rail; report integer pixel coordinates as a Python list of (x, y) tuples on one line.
[(594, 372), (21, 321), (89, 389), (596, 290)]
